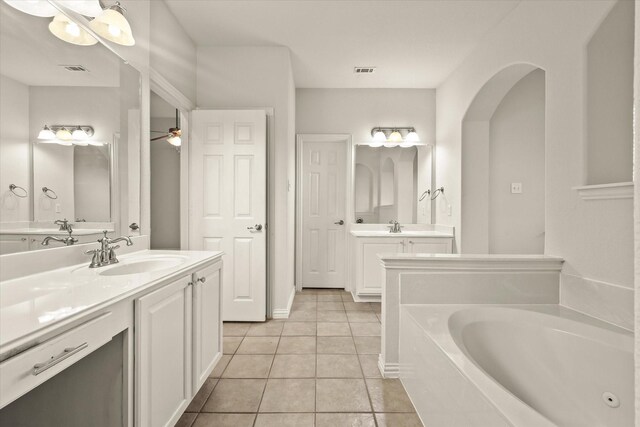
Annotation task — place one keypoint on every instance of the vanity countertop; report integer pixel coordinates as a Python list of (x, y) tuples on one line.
[(53, 231), (31, 306), (404, 233)]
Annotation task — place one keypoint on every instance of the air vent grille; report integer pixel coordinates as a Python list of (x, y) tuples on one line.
[(364, 70), (75, 68)]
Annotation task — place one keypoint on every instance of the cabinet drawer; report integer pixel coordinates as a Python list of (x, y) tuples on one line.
[(25, 371)]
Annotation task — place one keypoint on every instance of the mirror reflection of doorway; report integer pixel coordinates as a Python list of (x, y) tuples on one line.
[(165, 178)]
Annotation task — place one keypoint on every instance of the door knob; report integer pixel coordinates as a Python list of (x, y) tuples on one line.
[(341, 222), (257, 227)]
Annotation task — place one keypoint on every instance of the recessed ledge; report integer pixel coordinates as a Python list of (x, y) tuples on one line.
[(618, 190)]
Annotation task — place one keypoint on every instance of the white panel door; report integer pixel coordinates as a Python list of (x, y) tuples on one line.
[(228, 204), (323, 214)]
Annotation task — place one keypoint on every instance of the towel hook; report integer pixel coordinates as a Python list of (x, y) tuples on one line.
[(48, 192), (22, 193)]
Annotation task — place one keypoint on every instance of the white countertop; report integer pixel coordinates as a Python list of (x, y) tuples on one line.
[(53, 231), (31, 304), (404, 233)]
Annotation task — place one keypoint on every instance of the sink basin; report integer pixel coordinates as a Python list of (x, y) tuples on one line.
[(145, 265)]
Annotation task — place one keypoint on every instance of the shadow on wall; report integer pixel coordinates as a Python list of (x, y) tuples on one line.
[(503, 164)]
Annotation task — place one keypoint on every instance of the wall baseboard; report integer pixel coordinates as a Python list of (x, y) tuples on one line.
[(388, 370), (283, 313)]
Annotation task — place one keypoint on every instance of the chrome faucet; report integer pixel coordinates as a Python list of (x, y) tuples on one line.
[(106, 255), (63, 223), (395, 228), (69, 240)]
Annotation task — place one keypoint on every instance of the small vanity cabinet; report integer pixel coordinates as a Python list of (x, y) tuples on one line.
[(178, 343), (365, 248)]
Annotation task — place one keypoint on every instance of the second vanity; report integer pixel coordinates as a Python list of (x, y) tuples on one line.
[(366, 242), (161, 308)]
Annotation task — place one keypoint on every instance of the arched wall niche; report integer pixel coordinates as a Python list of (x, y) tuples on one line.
[(503, 137)]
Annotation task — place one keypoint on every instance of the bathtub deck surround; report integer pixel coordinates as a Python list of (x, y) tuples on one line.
[(522, 365), (318, 366), (459, 279)]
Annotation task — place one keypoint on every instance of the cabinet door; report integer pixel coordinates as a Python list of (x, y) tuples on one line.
[(163, 354), (429, 245), (369, 270), (11, 243), (207, 323)]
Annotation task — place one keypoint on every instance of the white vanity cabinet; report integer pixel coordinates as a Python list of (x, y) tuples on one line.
[(12, 243), (367, 275), (178, 343)]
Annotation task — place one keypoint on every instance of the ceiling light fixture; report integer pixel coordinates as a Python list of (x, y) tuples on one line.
[(174, 136), (65, 29), (113, 26)]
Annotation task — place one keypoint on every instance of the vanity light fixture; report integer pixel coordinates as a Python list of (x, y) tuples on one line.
[(113, 26), (65, 29), (44, 9), (393, 137), (63, 134), (46, 133)]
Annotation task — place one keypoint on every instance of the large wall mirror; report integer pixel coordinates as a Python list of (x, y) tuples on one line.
[(388, 182), (69, 123)]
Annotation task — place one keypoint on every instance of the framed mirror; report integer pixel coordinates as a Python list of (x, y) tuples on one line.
[(388, 182), (69, 126)]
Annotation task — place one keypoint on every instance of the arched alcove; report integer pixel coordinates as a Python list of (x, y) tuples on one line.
[(503, 137), (364, 184)]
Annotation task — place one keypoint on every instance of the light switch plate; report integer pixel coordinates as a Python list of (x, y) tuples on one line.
[(516, 188)]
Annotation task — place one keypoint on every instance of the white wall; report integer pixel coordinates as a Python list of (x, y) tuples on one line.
[(258, 77), (14, 149), (636, 170), (610, 98), (593, 237), (516, 154), (357, 111), (165, 189), (53, 163), (173, 53)]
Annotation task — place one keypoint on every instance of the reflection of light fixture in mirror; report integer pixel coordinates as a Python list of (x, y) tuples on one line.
[(113, 26), (83, 7), (46, 133), (65, 29), (63, 134), (41, 8), (174, 136), (379, 139)]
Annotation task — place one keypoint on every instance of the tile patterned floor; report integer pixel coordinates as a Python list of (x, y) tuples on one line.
[(317, 368)]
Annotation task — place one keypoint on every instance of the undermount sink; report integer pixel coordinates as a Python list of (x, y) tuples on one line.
[(136, 266), (142, 266)]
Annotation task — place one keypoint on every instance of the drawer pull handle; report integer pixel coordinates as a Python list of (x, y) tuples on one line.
[(68, 352)]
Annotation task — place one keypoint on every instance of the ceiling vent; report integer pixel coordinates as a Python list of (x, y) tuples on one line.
[(364, 70), (75, 68)]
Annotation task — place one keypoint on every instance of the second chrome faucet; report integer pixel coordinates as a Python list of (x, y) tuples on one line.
[(106, 254)]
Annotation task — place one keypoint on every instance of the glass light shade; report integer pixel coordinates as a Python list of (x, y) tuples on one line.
[(379, 136), (65, 29), (113, 26), (176, 141), (46, 134), (79, 134), (412, 137), (41, 8), (395, 136), (63, 134), (83, 7)]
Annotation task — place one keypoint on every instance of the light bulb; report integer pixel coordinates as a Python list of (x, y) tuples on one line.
[(72, 29), (395, 137), (113, 26), (114, 31)]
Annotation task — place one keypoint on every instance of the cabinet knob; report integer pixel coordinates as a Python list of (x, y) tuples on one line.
[(202, 279)]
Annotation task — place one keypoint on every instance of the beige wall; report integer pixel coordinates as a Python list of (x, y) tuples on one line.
[(14, 145), (610, 97), (516, 154)]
